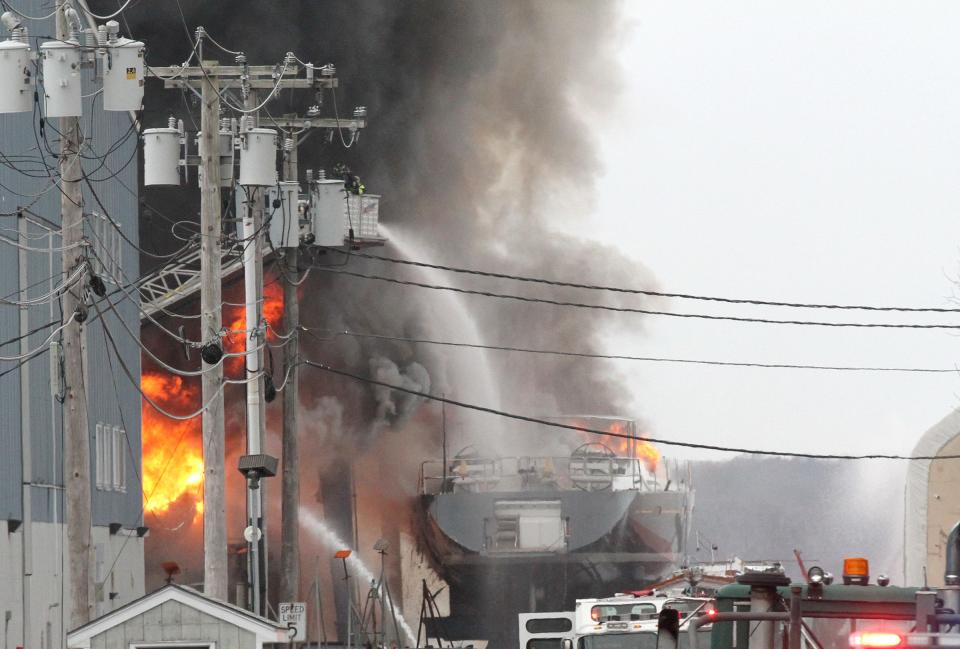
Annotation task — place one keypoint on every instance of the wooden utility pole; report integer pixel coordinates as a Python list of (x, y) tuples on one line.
[(211, 323), (248, 79), (76, 427), (290, 486)]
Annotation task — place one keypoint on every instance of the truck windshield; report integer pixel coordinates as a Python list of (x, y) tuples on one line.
[(623, 612)]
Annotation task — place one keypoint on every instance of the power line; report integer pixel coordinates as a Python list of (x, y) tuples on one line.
[(652, 359), (633, 291), (606, 433), (618, 309)]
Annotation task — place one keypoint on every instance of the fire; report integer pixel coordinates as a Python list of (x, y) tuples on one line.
[(630, 446), (235, 321), (636, 447), (173, 449)]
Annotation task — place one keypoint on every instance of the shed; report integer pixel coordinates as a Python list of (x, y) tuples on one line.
[(177, 617)]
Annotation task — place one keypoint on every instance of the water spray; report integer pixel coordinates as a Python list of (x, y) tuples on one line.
[(330, 539)]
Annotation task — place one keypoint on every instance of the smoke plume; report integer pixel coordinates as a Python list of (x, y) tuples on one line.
[(480, 141)]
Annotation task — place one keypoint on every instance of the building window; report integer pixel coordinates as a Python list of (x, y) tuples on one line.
[(111, 457)]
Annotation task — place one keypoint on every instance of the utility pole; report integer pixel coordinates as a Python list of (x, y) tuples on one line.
[(255, 465), (290, 486), (211, 323), (76, 426), (253, 302)]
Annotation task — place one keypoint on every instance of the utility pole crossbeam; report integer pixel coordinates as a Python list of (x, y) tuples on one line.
[(76, 425), (211, 323)]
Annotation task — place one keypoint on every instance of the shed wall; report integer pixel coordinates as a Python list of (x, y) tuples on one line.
[(174, 622)]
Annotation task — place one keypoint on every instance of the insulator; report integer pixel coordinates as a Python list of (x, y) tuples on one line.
[(211, 353), (171, 122), (269, 389), (97, 286), (321, 174), (288, 144)]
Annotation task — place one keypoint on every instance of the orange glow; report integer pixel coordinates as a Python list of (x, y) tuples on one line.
[(635, 447), (856, 567), (173, 449), (235, 321)]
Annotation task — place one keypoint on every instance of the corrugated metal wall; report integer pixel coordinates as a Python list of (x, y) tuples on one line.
[(113, 398)]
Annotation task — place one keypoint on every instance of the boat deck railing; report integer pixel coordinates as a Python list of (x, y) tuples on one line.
[(538, 474)]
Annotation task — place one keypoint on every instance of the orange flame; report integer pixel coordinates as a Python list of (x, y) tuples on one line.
[(628, 446), (173, 449), (235, 320)]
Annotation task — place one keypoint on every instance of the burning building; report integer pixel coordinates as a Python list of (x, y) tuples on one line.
[(480, 142)]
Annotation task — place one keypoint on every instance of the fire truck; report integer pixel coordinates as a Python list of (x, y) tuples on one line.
[(764, 610), (624, 621)]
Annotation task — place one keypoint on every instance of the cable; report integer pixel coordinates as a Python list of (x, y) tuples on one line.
[(336, 116), (692, 361), (37, 329), (263, 103), (615, 289), (23, 15), (605, 433), (603, 307), (153, 404), (207, 35), (75, 277), (116, 13), (116, 226), (43, 346)]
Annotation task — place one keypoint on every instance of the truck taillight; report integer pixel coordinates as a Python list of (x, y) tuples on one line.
[(875, 639)]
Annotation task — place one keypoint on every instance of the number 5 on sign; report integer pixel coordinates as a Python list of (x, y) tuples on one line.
[(293, 615)]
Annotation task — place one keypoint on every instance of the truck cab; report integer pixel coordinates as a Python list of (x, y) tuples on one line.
[(764, 610)]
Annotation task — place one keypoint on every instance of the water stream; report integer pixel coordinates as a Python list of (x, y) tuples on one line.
[(474, 381), (357, 568)]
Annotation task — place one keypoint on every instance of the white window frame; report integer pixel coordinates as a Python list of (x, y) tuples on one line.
[(99, 440), (119, 464), (110, 444)]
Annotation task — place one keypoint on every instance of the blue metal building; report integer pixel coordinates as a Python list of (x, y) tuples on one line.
[(33, 560)]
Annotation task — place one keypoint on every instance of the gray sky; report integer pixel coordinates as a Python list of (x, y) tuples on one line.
[(801, 152)]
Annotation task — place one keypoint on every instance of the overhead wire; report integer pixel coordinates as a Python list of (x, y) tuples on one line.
[(623, 357), (116, 13), (42, 346), (647, 292), (611, 434), (618, 309), (23, 15)]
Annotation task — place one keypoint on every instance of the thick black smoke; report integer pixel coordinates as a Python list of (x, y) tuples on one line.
[(482, 143)]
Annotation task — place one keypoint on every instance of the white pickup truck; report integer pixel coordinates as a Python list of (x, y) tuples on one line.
[(619, 622)]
